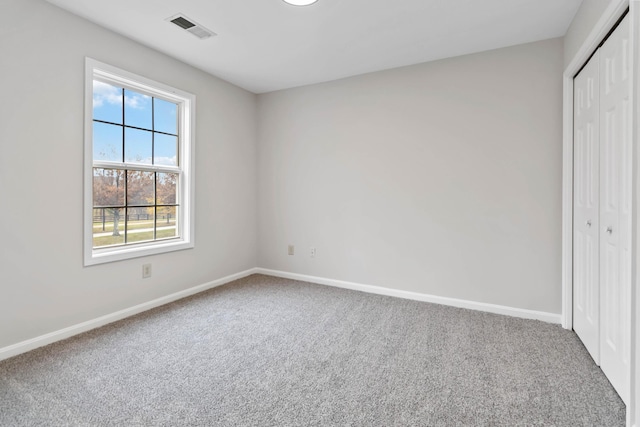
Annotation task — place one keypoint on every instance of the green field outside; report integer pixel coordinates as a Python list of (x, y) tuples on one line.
[(162, 233), (131, 225)]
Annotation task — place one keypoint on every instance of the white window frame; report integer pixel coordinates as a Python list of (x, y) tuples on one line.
[(186, 131)]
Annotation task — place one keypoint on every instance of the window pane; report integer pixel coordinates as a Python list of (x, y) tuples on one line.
[(107, 102), (108, 227), (137, 146), (166, 188), (140, 224), (165, 150), (108, 187), (166, 221), (107, 142), (140, 188), (137, 109), (165, 116)]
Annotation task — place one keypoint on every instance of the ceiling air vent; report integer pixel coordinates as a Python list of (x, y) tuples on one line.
[(191, 26)]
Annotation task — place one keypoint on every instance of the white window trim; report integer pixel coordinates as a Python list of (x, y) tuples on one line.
[(187, 103)]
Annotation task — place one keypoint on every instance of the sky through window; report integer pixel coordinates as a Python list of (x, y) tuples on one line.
[(150, 127)]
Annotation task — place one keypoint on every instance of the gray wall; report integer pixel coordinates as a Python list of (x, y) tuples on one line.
[(43, 285), (442, 178)]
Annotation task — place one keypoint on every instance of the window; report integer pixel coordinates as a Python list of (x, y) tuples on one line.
[(138, 172)]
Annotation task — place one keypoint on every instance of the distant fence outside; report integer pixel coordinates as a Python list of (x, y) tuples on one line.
[(105, 215)]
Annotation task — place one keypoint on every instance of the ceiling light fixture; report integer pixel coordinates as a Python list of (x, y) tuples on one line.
[(300, 2)]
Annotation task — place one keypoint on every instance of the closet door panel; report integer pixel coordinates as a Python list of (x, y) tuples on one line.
[(586, 292), (615, 208)]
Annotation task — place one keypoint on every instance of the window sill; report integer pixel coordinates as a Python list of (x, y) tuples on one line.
[(102, 256)]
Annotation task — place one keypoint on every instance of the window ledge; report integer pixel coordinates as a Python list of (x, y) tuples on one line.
[(104, 255)]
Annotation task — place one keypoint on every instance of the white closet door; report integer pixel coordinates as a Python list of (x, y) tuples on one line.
[(586, 206), (615, 208)]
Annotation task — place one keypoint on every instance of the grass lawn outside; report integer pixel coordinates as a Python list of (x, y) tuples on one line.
[(131, 225), (164, 233)]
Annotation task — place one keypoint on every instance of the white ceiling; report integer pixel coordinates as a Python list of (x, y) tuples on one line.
[(266, 45)]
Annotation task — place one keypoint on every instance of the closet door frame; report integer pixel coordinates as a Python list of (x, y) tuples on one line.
[(610, 17)]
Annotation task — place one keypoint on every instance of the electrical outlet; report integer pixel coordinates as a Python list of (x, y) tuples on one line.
[(292, 249), (146, 271), (312, 252)]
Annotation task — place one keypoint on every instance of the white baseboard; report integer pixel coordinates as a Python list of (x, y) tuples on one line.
[(42, 340), (472, 305), (33, 343)]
